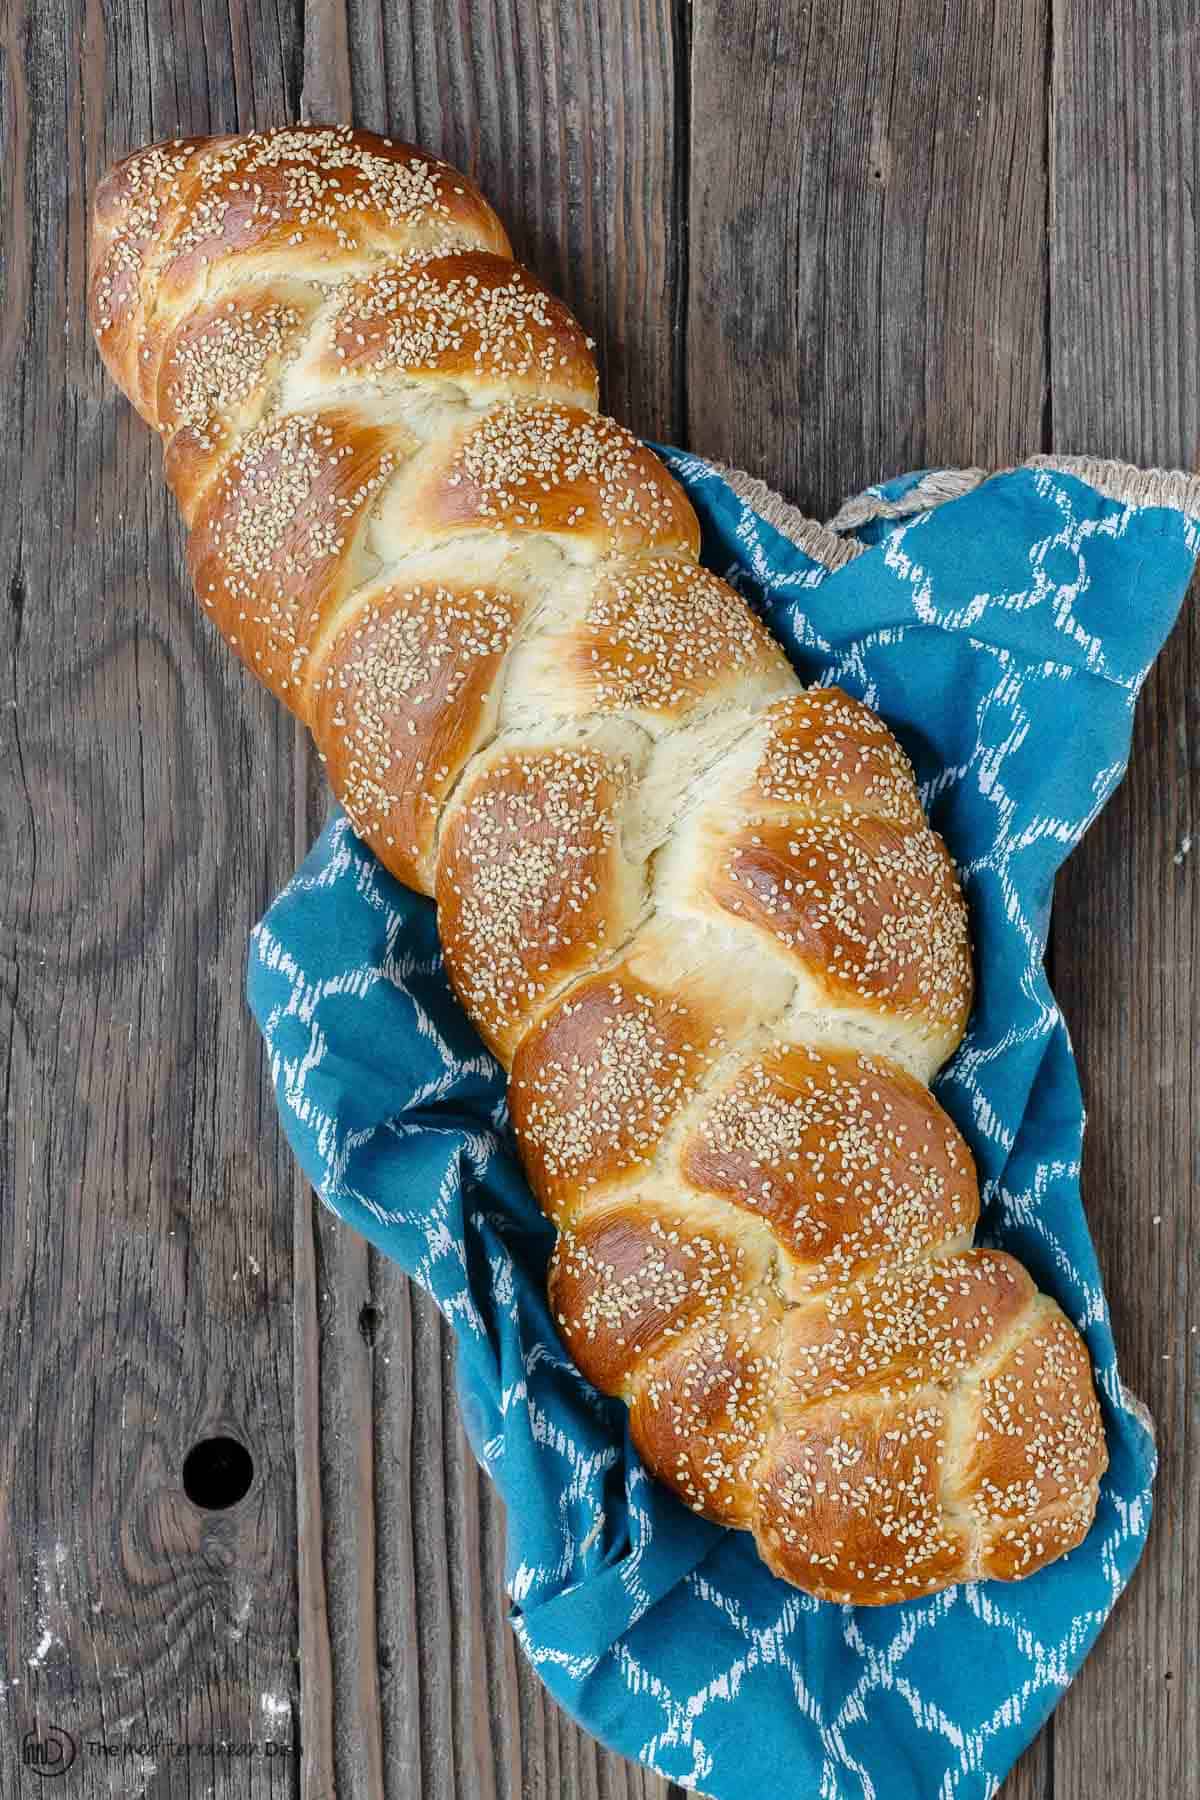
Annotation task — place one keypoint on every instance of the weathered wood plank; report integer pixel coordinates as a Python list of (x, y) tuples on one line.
[(341, 1656), (566, 118), (867, 238), (1125, 317), (867, 257), (314, 1644), (145, 1239)]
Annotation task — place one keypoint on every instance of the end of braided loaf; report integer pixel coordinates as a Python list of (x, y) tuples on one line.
[(696, 910)]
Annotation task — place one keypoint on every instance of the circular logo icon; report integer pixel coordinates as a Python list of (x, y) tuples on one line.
[(49, 1751)]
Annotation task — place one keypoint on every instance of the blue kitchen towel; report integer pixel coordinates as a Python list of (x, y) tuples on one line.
[(1002, 626)]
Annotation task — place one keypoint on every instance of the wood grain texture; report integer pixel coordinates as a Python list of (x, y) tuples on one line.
[(867, 238), (1125, 312), (145, 1258)]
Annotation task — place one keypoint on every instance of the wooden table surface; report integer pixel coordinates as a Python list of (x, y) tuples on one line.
[(826, 242)]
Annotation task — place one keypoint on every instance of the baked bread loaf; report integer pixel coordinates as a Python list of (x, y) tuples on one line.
[(694, 908)]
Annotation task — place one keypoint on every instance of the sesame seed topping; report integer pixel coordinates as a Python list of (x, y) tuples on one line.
[(848, 1159), (597, 1084), (212, 369), (402, 699), (550, 467), (909, 1323), (525, 889), (473, 314), (663, 632), (146, 187), (877, 910), (312, 181), (829, 753), (278, 524)]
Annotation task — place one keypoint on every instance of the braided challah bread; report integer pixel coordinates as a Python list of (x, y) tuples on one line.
[(695, 909)]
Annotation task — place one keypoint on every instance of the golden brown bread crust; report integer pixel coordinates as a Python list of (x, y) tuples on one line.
[(134, 210), (701, 1407), (276, 542), (474, 319), (532, 883), (560, 472), (403, 697), (866, 907), (853, 1502), (218, 369), (848, 1159), (911, 1324), (696, 909), (662, 636), (828, 754), (172, 220), (1034, 1452), (598, 1082), (626, 1280)]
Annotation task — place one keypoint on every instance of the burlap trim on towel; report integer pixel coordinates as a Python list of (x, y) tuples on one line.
[(931, 490), (1173, 488), (1122, 481), (816, 540)]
